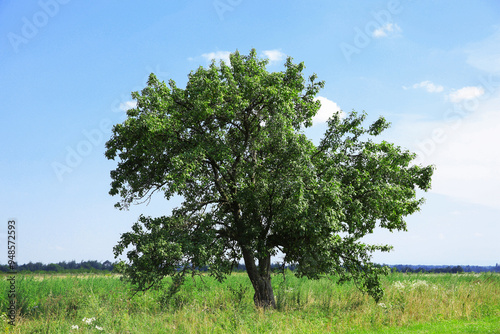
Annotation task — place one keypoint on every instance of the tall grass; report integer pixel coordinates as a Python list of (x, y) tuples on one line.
[(55, 304)]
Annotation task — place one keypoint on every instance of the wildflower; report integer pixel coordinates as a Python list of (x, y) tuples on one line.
[(399, 285), (418, 284), (74, 327), (382, 305), (88, 321), (99, 328)]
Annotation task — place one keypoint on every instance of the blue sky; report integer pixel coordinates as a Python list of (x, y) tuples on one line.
[(67, 68)]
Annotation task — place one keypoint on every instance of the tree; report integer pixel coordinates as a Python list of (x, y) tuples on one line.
[(53, 267), (232, 145)]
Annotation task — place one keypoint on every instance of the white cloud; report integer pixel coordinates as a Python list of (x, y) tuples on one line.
[(218, 55), (385, 30), (128, 105), (428, 86), (466, 93), (328, 108), (274, 55)]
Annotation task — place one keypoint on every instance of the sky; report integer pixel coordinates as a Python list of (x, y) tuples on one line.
[(67, 69)]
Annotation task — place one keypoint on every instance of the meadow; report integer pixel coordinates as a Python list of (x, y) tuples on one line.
[(414, 303)]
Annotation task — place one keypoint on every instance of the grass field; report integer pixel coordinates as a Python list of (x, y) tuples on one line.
[(416, 303)]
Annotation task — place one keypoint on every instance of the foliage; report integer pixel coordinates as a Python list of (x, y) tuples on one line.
[(232, 145)]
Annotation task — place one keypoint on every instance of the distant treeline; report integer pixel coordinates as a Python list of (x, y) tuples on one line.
[(444, 269), (107, 266), (405, 268), (63, 267)]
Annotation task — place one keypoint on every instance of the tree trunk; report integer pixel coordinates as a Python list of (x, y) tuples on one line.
[(261, 280), (264, 295)]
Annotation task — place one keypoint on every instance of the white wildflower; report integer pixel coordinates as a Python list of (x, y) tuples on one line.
[(75, 327), (382, 305), (88, 321), (399, 285), (418, 284), (99, 328)]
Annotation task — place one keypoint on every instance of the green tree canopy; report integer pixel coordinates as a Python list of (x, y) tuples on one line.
[(232, 145)]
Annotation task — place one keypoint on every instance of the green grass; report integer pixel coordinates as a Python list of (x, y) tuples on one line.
[(485, 325), (418, 303)]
